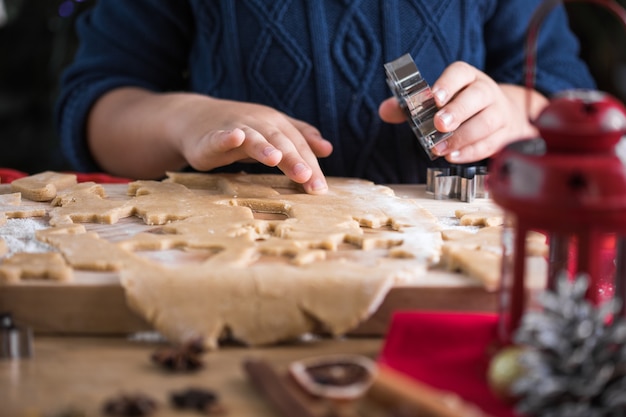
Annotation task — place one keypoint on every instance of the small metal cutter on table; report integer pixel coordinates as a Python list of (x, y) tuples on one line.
[(15, 341), (464, 183)]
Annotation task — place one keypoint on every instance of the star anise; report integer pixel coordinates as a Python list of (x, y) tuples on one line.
[(181, 358), (130, 405), (203, 400)]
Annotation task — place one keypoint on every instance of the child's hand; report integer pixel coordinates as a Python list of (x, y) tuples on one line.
[(219, 132), (484, 115)]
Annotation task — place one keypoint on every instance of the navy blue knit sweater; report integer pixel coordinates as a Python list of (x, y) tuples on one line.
[(320, 61)]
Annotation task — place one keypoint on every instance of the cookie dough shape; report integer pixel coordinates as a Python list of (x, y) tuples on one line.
[(87, 202), (255, 305), (50, 265), (480, 217), (163, 202), (11, 207), (85, 250), (43, 186), (479, 254)]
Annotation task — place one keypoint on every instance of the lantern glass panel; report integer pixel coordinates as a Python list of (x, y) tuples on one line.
[(620, 273), (560, 255), (523, 273), (507, 274)]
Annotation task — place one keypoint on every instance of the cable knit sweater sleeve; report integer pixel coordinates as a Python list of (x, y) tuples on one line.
[(139, 43), (558, 66)]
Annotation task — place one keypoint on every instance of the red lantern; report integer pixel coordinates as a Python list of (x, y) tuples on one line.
[(570, 185)]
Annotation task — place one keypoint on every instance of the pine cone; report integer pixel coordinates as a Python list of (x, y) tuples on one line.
[(576, 361)]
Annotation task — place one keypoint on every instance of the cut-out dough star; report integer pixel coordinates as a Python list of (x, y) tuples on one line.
[(87, 202)]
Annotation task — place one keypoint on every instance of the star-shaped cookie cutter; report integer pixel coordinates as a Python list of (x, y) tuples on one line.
[(464, 183), (416, 99)]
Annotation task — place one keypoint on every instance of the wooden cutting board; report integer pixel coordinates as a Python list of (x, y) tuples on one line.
[(94, 302)]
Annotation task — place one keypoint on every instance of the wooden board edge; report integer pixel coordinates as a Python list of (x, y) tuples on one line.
[(456, 299), (80, 310), (102, 310)]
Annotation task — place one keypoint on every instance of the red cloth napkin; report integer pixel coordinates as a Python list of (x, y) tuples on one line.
[(448, 351), (8, 175)]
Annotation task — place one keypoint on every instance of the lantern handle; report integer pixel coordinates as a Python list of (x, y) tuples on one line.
[(533, 32)]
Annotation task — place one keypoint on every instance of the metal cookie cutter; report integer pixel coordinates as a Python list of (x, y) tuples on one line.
[(416, 99), (465, 183), (15, 342)]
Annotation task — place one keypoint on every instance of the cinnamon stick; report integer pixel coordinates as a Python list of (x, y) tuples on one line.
[(276, 389), (393, 388)]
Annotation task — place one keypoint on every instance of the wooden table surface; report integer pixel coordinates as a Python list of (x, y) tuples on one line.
[(82, 373)]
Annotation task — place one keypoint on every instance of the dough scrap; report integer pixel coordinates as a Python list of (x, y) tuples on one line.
[(49, 265), (480, 217), (87, 202), (479, 254), (252, 186), (87, 251), (483, 265), (71, 229), (43, 186), (11, 207)]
